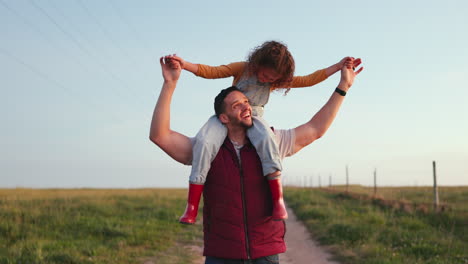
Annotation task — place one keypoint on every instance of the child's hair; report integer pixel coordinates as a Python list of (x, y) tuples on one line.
[(275, 55), (219, 105)]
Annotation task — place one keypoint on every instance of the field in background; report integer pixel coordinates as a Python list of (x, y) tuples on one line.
[(134, 226), (94, 226), (363, 231), (456, 198)]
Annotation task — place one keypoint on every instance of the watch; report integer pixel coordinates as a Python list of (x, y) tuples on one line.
[(340, 92)]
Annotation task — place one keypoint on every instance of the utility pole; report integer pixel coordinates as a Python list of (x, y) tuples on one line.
[(436, 191), (347, 179), (375, 182)]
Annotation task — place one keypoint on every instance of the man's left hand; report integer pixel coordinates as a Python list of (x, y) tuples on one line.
[(348, 74)]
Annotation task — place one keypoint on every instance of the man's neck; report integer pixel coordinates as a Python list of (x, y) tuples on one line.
[(237, 135)]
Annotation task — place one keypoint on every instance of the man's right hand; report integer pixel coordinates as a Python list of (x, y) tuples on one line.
[(170, 69), (185, 65), (174, 57)]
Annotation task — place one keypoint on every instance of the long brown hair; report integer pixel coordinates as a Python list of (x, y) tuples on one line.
[(275, 55)]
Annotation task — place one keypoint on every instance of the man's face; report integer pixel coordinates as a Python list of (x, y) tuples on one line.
[(238, 110)]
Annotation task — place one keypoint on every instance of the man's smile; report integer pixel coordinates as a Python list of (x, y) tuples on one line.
[(246, 114)]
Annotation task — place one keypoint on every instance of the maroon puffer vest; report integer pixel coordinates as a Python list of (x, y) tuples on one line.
[(237, 209)]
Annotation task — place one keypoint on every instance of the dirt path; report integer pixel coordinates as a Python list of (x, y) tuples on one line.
[(301, 248)]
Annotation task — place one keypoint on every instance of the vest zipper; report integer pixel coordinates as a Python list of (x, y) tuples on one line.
[(245, 213), (247, 246)]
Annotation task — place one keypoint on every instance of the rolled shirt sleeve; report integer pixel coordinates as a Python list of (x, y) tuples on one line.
[(285, 139)]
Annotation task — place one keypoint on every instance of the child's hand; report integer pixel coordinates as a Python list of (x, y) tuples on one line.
[(177, 59), (170, 69), (346, 61), (172, 62)]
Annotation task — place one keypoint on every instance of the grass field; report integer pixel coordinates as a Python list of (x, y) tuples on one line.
[(455, 197), (134, 226), (94, 226), (358, 231)]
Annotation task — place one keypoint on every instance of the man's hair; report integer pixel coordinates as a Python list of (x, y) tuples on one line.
[(219, 105), (274, 55)]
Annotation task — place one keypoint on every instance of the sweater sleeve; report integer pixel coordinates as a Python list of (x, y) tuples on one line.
[(308, 80), (234, 69)]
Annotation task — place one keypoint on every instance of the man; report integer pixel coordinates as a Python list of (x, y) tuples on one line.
[(237, 220)]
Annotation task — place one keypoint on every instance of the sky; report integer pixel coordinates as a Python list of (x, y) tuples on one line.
[(79, 80)]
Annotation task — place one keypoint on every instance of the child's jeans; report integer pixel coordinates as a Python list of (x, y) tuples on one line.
[(211, 136)]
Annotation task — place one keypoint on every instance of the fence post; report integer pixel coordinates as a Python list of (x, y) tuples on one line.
[(436, 191), (329, 181), (347, 179), (375, 182)]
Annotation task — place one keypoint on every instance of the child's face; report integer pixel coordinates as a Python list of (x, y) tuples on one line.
[(267, 75)]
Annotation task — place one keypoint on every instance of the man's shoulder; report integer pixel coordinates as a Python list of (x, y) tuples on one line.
[(285, 138)]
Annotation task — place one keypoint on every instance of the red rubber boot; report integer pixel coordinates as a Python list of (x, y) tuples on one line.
[(279, 210), (190, 215)]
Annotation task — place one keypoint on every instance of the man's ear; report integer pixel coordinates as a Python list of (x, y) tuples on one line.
[(223, 118)]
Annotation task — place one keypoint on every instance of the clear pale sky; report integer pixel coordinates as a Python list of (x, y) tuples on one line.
[(80, 79)]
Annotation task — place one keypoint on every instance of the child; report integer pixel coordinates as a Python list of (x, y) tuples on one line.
[(269, 67)]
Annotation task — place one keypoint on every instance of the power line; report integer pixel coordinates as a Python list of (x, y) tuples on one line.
[(80, 33), (130, 25), (70, 92), (78, 44), (108, 35), (136, 34), (41, 33), (64, 88)]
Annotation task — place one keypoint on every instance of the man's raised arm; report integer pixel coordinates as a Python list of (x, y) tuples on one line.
[(322, 120), (176, 145)]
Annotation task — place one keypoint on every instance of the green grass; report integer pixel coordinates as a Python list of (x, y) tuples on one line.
[(455, 197), (358, 231), (94, 226)]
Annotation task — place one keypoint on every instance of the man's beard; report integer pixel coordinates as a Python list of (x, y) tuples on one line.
[(247, 126), (236, 122)]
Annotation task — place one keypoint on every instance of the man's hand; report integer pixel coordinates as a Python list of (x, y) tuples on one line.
[(349, 73), (170, 69), (185, 65), (175, 144), (322, 120), (345, 62), (174, 57)]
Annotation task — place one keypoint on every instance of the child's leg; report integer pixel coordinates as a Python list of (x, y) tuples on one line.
[(279, 209), (263, 139), (193, 200), (207, 143)]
